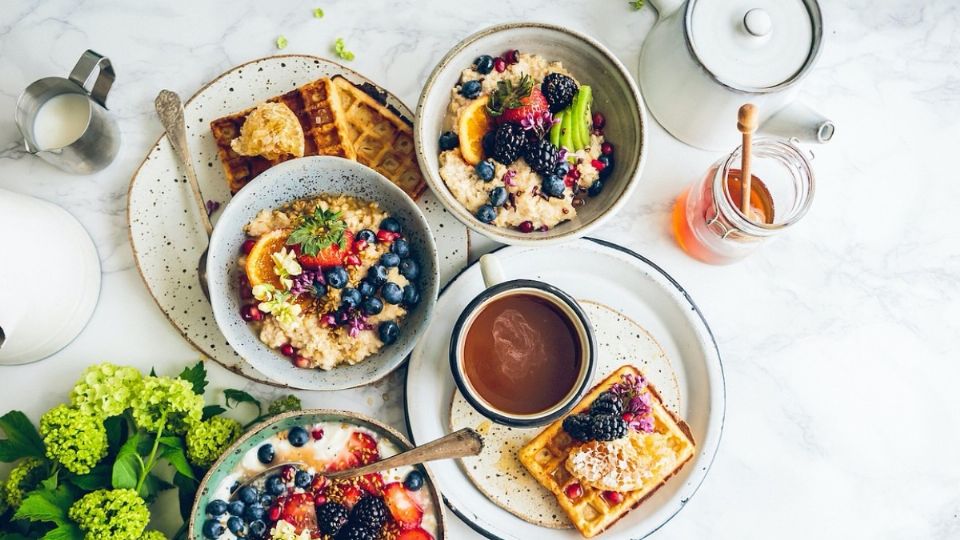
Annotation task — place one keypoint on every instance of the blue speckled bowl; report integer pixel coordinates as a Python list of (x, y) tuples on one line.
[(305, 178)]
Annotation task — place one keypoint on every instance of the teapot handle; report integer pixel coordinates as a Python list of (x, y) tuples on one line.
[(83, 71), (665, 8), (799, 121)]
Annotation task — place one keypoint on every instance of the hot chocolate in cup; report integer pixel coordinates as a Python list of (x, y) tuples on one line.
[(522, 352)]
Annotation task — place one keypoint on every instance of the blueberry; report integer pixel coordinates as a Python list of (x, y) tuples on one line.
[(413, 481), (391, 293), (448, 141), (235, 487), (562, 169), (275, 485), (483, 64), (595, 188), (350, 297), (608, 165), (302, 479), (336, 277), (258, 528), (489, 142), (409, 269), (217, 507), (485, 170), (367, 236), (390, 224), (390, 260), (320, 289), (248, 494), (377, 274), (401, 247), (498, 196), (411, 296), (236, 508), (389, 332), (367, 289), (212, 529), (298, 436), (486, 213), (553, 186), (470, 89), (266, 500), (236, 526), (372, 306), (254, 512)]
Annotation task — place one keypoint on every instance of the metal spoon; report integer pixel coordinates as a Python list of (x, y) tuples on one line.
[(170, 110)]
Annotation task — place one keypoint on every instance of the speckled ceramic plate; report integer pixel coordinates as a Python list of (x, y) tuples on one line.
[(647, 297), (499, 474), (167, 239), (259, 433)]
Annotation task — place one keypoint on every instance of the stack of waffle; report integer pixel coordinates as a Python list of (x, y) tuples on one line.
[(592, 512), (338, 119)]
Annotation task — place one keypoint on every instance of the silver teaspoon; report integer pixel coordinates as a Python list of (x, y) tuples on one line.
[(170, 110)]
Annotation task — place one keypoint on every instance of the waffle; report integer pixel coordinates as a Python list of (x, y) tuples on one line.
[(591, 513), (317, 106)]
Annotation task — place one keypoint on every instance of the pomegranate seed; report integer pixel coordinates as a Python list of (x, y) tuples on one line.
[(574, 491), (627, 417), (287, 472), (526, 227), (317, 434), (598, 165), (320, 499), (613, 497), (386, 236), (301, 362), (287, 350), (606, 148), (511, 56), (574, 173), (599, 121), (247, 246), (274, 513), (352, 260), (543, 228), (245, 314), (359, 246), (568, 181), (500, 65)]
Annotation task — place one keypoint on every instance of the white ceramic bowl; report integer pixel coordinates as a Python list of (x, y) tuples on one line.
[(614, 94), (304, 178)]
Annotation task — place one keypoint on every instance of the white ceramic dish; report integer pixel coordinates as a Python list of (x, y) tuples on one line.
[(168, 239), (614, 93), (629, 284)]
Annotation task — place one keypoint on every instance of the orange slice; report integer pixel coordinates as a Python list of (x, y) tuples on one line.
[(474, 124), (260, 265)]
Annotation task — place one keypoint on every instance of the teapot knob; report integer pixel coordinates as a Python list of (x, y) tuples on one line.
[(757, 22)]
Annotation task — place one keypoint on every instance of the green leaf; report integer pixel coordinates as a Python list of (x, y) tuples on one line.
[(173, 451), (186, 492), (153, 372), (13, 536), (127, 467), (196, 376), (99, 477), (51, 482), (116, 427), (152, 486), (235, 397), (22, 438), (46, 505), (64, 531), (212, 410)]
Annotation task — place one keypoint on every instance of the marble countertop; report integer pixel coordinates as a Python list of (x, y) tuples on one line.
[(839, 339)]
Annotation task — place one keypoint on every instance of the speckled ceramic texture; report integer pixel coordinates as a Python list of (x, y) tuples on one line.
[(300, 179), (630, 285), (165, 232), (614, 94), (499, 474), (259, 433)]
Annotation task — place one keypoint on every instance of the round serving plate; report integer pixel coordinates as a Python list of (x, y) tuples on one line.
[(630, 285), (167, 241)]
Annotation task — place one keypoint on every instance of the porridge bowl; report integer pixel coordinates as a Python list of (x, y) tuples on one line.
[(531, 134), (322, 274)]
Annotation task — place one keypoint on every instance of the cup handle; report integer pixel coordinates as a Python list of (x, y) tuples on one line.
[(491, 270), (83, 71)]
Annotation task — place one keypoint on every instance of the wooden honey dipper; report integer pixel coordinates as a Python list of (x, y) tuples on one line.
[(747, 124)]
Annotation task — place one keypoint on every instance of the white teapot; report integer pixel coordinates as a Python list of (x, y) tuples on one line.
[(705, 58)]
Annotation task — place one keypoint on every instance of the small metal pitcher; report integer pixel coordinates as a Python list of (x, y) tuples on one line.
[(98, 144)]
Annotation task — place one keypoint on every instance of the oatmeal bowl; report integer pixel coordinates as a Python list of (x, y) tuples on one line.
[(322, 274), (531, 133)]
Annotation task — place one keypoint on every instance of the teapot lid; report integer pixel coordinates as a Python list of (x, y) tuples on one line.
[(754, 45)]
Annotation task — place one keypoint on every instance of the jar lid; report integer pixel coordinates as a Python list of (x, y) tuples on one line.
[(754, 45)]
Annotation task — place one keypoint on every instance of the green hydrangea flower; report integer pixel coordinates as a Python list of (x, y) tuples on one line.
[(25, 477), (164, 397), (284, 404), (118, 514), (105, 389), (153, 535), (207, 440), (74, 439)]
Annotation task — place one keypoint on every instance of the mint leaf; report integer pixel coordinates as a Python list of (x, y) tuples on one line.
[(22, 438), (46, 505), (236, 397), (127, 467), (212, 410), (196, 376), (64, 531)]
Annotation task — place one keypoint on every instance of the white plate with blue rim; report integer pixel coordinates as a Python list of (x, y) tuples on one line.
[(638, 291)]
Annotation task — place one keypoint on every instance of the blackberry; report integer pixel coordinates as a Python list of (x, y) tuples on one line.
[(370, 512), (578, 427), (607, 403), (331, 517), (559, 91), (541, 155), (357, 532), (607, 427), (508, 143)]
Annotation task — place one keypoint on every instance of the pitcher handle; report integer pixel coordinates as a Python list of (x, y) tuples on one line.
[(83, 71)]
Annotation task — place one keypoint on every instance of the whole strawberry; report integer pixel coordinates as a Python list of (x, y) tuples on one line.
[(512, 102)]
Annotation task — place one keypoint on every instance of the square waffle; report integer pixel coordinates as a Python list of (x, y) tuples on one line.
[(316, 105), (591, 514)]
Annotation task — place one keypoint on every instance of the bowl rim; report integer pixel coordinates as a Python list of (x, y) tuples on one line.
[(436, 496), (427, 300), (500, 234)]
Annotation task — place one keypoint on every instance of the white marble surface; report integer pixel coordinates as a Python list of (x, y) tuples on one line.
[(839, 340)]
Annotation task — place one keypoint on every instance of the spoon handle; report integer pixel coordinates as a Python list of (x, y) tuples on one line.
[(463, 443), (170, 111)]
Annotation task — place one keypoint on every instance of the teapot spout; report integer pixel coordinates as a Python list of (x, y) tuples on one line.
[(665, 8), (798, 121)]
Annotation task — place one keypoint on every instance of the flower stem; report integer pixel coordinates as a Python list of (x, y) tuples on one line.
[(152, 459)]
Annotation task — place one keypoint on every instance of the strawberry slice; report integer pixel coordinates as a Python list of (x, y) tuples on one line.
[(332, 255), (402, 507), (361, 449), (415, 534), (371, 483), (530, 105), (299, 511)]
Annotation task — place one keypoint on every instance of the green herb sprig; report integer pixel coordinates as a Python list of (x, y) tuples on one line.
[(318, 231), (508, 96)]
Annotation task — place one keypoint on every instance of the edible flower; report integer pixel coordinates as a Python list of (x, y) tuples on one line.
[(307, 282), (277, 303), (285, 265), (637, 410), (538, 122), (356, 323), (508, 177), (212, 206), (284, 530)]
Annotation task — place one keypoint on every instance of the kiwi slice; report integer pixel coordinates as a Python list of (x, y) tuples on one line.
[(581, 115), (556, 129), (566, 131)]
